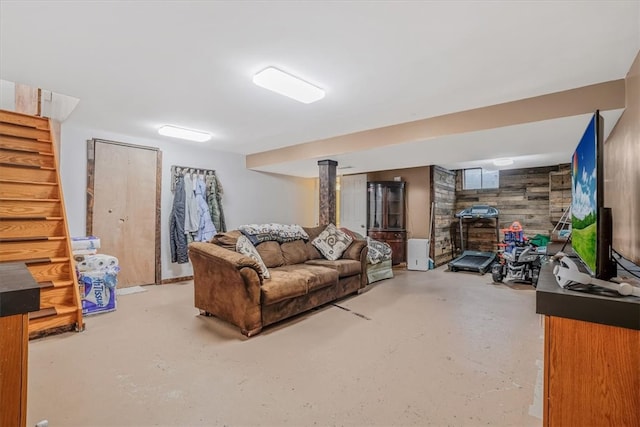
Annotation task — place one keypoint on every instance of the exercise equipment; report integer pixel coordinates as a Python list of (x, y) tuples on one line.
[(476, 261)]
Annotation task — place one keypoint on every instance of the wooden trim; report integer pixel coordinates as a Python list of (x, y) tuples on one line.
[(91, 171), (176, 280), (25, 369), (124, 144), (545, 377), (76, 288), (158, 215)]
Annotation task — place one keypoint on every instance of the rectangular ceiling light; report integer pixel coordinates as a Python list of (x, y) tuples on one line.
[(288, 85), (182, 133)]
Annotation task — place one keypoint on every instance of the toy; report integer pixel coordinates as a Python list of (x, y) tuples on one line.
[(520, 260)]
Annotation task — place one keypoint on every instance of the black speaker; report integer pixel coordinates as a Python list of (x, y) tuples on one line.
[(605, 264)]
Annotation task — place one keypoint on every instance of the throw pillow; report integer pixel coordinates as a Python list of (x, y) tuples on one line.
[(332, 242), (245, 247)]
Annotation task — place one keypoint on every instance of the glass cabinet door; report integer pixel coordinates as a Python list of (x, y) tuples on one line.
[(395, 207), (374, 217)]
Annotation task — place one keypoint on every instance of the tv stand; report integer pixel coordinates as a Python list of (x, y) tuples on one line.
[(591, 348)]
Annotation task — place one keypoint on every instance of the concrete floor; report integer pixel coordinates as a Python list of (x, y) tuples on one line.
[(433, 348)]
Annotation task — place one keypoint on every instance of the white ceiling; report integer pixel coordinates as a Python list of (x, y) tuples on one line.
[(138, 65)]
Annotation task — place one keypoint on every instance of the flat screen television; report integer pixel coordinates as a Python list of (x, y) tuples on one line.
[(590, 221)]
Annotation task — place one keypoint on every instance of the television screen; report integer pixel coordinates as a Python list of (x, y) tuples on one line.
[(585, 198)]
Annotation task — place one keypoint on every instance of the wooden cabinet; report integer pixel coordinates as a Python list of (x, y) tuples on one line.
[(14, 333), (592, 374), (19, 295), (386, 216)]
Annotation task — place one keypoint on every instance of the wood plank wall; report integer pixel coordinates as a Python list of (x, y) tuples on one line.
[(443, 193), (523, 195)]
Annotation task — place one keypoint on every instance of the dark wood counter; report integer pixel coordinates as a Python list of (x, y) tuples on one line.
[(552, 300)]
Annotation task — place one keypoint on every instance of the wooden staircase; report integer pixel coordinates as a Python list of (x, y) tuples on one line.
[(33, 222)]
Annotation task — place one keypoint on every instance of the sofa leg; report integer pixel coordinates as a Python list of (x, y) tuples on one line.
[(252, 332)]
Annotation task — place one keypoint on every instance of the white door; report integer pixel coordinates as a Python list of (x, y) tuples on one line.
[(353, 203)]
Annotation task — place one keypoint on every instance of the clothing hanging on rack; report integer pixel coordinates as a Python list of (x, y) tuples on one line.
[(177, 236), (206, 229), (214, 200), (192, 219), (197, 213)]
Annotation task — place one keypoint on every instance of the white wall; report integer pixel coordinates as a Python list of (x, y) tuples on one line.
[(7, 95), (249, 197)]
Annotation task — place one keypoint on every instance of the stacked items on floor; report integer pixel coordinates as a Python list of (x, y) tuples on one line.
[(97, 275), (379, 263)]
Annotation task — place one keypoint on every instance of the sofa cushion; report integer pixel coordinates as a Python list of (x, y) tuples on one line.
[(353, 251), (290, 281), (271, 254), (245, 247), (294, 252), (314, 232), (227, 240), (345, 267), (332, 242), (312, 251)]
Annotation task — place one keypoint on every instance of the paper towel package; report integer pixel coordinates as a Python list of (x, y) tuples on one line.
[(98, 278), (86, 242)]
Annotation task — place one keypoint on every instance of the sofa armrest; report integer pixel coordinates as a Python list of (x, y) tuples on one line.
[(227, 285), (358, 251)]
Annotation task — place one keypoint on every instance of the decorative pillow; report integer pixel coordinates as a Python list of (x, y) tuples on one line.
[(354, 235), (332, 242), (245, 247)]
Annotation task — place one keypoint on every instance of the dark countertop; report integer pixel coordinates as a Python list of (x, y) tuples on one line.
[(19, 292), (553, 300)]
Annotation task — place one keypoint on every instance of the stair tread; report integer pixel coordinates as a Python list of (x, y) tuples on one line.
[(55, 283), (25, 199), (41, 260), (22, 165), (44, 312), (66, 308), (30, 238), (31, 218), (19, 181), (52, 311), (26, 150)]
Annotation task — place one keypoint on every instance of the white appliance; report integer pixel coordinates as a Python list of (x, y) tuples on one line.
[(418, 254)]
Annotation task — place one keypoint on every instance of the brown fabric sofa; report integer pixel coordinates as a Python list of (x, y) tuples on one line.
[(228, 285)]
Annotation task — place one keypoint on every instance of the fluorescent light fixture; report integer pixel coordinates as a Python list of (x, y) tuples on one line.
[(182, 133), (503, 162), (288, 85)]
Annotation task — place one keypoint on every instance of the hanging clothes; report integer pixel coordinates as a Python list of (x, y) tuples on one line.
[(177, 236), (214, 200), (191, 219), (206, 229)]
